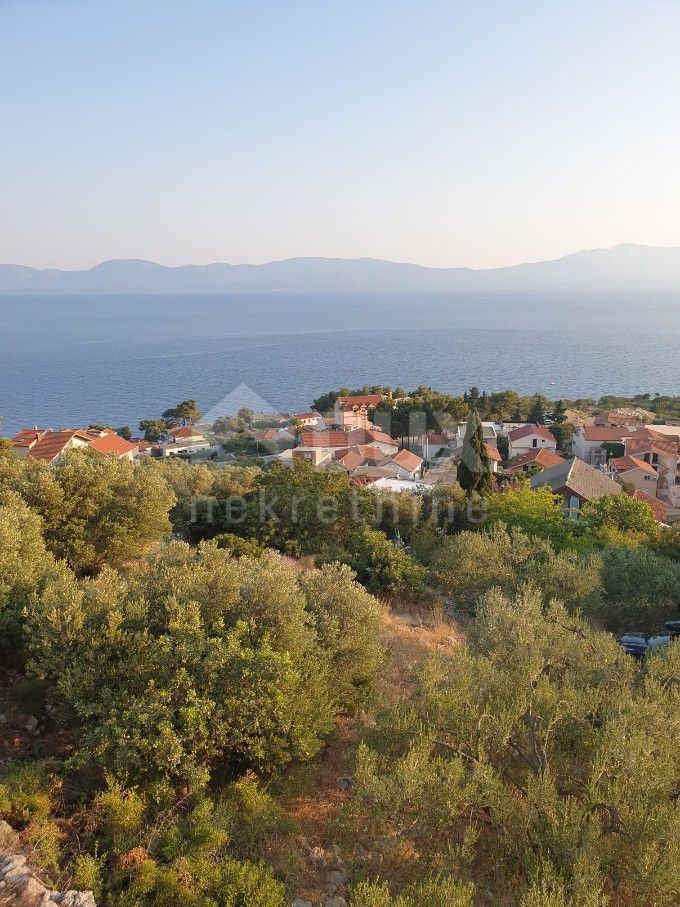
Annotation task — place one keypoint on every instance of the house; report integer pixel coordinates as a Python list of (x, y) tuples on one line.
[(387, 470), (352, 412), (495, 459), (186, 439), (489, 433), (310, 419), (619, 418), (48, 445), (536, 458), (111, 444), (576, 483), (529, 437), (589, 440), (662, 452), (636, 472), (274, 436), (349, 460), (320, 448), (410, 465), (435, 446), (375, 438)]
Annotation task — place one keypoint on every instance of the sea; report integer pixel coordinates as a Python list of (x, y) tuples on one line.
[(76, 360)]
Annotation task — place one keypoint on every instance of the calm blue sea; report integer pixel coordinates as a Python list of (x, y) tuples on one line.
[(116, 359)]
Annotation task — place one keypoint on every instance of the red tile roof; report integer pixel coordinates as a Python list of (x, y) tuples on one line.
[(538, 456), (614, 418), (407, 460), (606, 433), (323, 439), (53, 443), (369, 436), (659, 508), (363, 480), (527, 430), (185, 432), (367, 400), (625, 464), (111, 444), (493, 452), (646, 441), (437, 439), (350, 460), (371, 453)]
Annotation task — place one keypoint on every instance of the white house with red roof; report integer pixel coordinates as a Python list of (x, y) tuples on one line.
[(589, 440), (410, 465), (48, 445), (185, 439), (352, 412), (309, 419), (530, 437)]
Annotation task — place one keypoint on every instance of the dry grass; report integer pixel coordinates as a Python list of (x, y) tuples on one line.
[(410, 635)]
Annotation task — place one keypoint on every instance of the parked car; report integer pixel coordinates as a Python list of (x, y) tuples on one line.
[(639, 644)]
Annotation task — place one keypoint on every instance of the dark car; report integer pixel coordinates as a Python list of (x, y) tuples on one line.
[(634, 644), (638, 644)]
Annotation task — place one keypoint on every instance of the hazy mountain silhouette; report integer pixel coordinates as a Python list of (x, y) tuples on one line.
[(624, 266)]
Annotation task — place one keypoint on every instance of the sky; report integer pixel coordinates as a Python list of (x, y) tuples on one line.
[(444, 133)]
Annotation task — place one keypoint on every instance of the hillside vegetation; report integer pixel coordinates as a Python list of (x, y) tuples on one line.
[(205, 711)]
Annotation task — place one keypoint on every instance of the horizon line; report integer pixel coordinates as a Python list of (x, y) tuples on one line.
[(210, 264)]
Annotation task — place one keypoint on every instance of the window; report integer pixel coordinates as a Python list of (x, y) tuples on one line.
[(535, 442)]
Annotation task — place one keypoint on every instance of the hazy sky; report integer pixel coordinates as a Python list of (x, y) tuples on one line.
[(446, 133)]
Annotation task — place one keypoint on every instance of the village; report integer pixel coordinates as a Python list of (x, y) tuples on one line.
[(615, 451)]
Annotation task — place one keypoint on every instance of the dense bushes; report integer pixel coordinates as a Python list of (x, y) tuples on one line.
[(195, 663), (518, 764), (94, 509), (469, 564), (380, 565)]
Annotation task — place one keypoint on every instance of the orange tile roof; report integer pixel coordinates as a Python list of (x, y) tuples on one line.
[(407, 460), (185, 432), (624, 464), (323, 439), (371, 453), (350, 460), (659, 508), (363, 480), (28, 436), (539, 456), (493, 452), (111, 444), (526, 430), (367, 400), (368, 436), (437, 439), (606, 433), (646, 441), (53, 443)]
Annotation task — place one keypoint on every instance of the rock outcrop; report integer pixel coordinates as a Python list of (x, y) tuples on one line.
[(21, 886)]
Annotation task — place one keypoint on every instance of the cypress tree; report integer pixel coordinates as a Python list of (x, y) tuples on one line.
[(474, 471)]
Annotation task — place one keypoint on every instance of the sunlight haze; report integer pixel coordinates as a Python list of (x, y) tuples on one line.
[(438, 133)]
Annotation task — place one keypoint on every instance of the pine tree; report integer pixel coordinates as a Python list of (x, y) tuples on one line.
[(561, 428), (474, 471)]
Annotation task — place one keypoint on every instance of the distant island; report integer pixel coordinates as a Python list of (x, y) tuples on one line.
[(626, 266)]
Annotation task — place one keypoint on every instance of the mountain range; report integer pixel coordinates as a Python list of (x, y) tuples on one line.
[(627, 266)]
